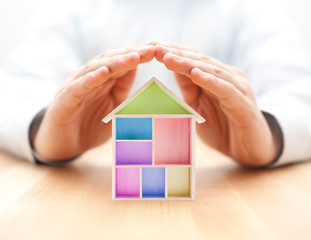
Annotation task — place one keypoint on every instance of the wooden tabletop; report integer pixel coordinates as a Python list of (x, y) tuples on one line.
[(74, 202)]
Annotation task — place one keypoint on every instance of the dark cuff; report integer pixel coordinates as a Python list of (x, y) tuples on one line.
[(33, 129), (277, 134)]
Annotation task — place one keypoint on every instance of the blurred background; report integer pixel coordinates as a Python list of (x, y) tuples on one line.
[(15, 16)]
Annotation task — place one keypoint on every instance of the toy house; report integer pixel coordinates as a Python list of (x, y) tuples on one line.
[(153, 135)]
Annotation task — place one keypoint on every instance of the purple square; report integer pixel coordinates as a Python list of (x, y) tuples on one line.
[(133, 153)]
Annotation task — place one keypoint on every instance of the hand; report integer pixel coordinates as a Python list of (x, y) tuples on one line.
[(72, 124), (221, 94)]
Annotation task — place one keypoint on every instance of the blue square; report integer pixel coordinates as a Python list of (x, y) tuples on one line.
[(134, 128), (153, 182)]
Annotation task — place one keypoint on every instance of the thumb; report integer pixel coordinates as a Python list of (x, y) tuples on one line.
[(189, 90), (123, 86)]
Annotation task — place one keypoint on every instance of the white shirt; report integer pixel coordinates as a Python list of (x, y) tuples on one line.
[(252, 35)]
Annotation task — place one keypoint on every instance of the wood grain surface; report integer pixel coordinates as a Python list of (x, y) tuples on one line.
[(74, 202)]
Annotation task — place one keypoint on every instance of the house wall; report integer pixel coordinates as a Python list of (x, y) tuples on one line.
[(160, 157)]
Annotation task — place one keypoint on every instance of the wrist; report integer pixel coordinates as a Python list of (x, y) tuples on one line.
[(33, 130)]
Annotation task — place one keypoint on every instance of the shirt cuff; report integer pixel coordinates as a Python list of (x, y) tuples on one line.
[(294, 121), (277, 135), (33, 129)]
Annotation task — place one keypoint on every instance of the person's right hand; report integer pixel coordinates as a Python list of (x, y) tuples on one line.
[(72, 123)]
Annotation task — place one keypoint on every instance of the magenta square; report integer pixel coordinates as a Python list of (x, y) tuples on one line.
[(133, 153), (127, 183)]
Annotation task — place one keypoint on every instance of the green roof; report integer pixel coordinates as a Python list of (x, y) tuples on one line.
[(153, 100)]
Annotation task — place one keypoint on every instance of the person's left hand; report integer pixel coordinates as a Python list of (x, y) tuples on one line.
[(221, 94)]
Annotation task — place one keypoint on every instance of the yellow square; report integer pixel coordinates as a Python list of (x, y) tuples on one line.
[(179, 182)]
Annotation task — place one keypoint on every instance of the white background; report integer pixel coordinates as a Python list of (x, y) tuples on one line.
[(15, 16)]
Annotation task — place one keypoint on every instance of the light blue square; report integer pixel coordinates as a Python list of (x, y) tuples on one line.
[(153, 182)]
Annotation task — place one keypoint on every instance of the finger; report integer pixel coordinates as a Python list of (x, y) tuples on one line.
[(227, 72), (237, 107), (76, 90), (229, 96), (177, 46), (115, 64), (189, 90), (123, 85), (119, 51), (161, 50), (145, 54), (123, 63), (145, 50), (183, 65)]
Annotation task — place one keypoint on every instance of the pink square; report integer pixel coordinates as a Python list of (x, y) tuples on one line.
[(172, 141), (127, 183)]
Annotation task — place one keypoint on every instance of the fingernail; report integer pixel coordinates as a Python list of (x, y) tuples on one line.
[(199, 71), (103, 68)]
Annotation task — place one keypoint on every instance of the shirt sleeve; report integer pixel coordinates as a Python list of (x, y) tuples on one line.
[(267, 46), (34, 72)]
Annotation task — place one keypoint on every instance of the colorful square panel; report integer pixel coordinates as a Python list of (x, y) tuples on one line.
[(179, 182), (127, 183), (134, 128), (172, 141), (153, 182), (133, 153)]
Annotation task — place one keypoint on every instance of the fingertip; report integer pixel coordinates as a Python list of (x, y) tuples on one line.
[(102, 71), (97, 76), (169, 60), (159, 52), (146, 53), (132, 57), (195, 73), (203, 79), (171, 56)]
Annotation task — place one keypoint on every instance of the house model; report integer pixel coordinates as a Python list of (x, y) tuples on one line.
[(153, 135)]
